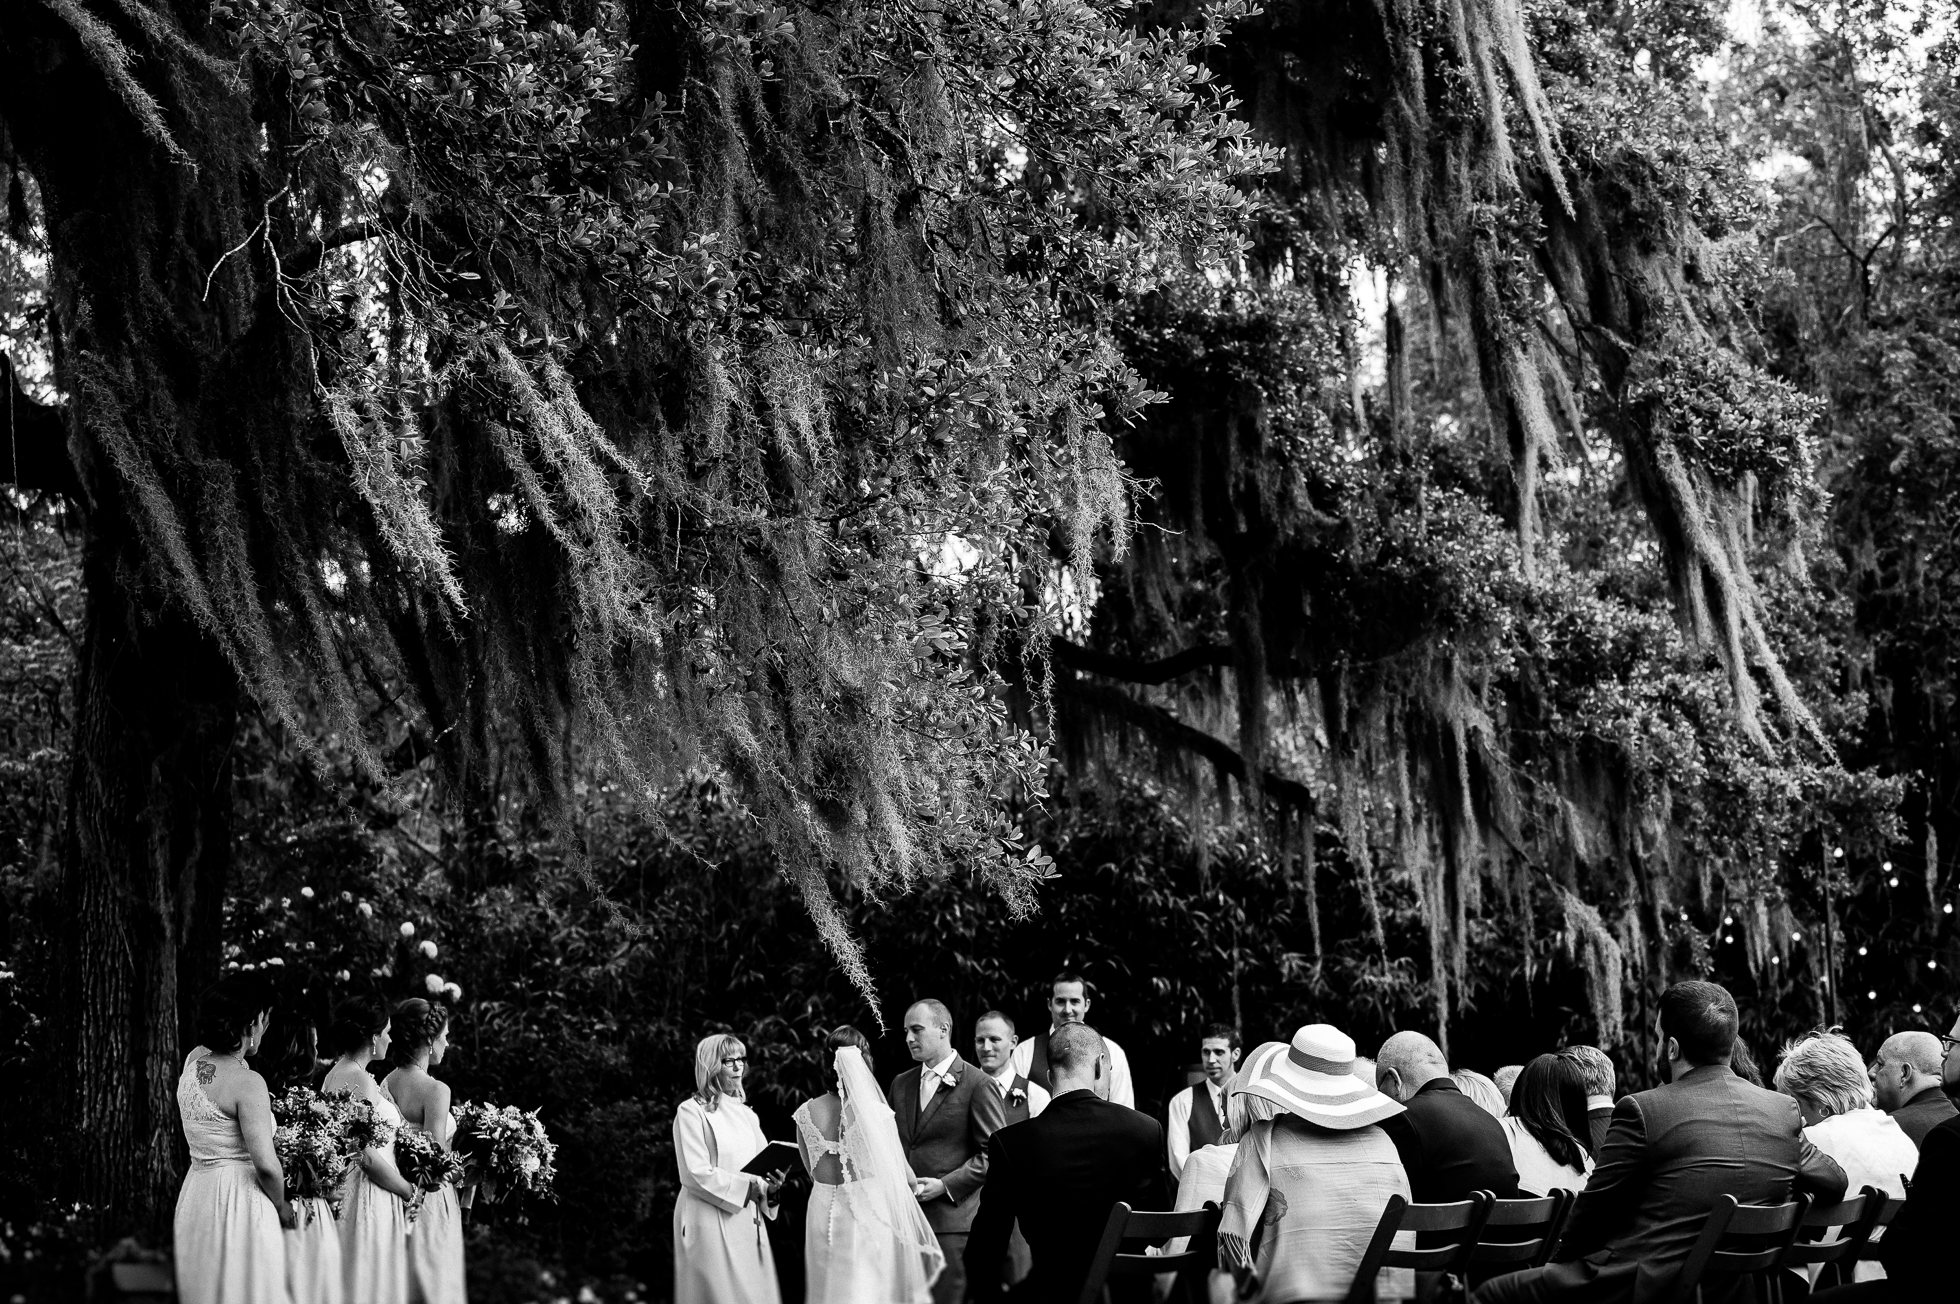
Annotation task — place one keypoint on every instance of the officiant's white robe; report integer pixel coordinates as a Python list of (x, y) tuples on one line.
[(721, 1250)]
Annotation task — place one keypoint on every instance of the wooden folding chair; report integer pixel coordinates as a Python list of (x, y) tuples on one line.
[(1886, 1208), (1529, 1232), (1457, 1225), (1738, 1240), (1197, 1258), (1851, 1219)]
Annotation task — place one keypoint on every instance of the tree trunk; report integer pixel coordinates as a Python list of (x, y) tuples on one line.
[(145, 857)]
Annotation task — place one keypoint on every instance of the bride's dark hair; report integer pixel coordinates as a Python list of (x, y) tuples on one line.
[(356, 1021), (417, 1025), (841, 1036)]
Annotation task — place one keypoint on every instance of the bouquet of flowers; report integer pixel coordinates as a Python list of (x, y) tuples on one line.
[(504, 1149), (316, 1137), (424, 1164)]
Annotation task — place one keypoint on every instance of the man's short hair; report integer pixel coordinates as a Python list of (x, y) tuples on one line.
[(1919, 1051), (1702, 1018), (1068, 976), (1596, 1067), (937, 1009), (1012, 1031), (1073, 1047), (1224, 1032)]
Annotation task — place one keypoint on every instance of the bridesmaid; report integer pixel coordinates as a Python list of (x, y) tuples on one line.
[(290, 1058), (435, 1251), (233, 1202), (374, 1203), (721, 1255)]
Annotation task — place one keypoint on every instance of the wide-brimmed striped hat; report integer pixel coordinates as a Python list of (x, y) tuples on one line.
[(1314, 1079)]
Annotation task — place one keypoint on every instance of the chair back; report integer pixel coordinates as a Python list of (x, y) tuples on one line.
[(1888, 1209), (1738, 1240), (1456, 1225), (1527, 1230), (1200, 1226), (1847, 1224)]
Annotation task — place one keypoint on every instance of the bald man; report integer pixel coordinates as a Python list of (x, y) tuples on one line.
[(1906, 1083), (1450, 1145)]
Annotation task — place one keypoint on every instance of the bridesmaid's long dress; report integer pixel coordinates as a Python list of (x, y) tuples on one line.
[(374, 1229), (228, 1244), (435, 1249), (313, 1264)]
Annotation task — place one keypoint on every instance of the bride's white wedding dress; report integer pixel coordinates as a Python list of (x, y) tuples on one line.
[(865, 1239)]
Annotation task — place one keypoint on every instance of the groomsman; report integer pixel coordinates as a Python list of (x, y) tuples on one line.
[(1068, 1002), (994, 1041), (945, 1109), (1197, 1114)]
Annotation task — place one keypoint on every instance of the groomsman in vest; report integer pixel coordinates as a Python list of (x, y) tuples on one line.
[(1068, 1002), (994, 1040), (945, 1109), (1197, 1114)]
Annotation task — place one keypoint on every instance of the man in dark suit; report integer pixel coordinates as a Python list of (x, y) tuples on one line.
[(1060, 1174), (1450, 1145), (1600, 1081), (1906, 1082), (946, 1109), (1670, 1154)]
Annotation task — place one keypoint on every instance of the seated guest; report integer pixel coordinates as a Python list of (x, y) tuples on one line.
[(1480, 1089), (1598, 1071), (1670, 1153), (1449, 1145), (1743, 1064), (1313, 1180), (1918, 1247), (1196, 1116), (1364, 1068), (1506, 1078), (1546, 1126), (1906, 1083), (1825, 1075), (1059, 1175)]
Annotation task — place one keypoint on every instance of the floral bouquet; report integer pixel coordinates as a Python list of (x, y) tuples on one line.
[(316, 1137), (425, 1165), (504, 1149)]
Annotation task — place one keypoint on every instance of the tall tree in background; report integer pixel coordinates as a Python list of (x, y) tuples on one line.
[(1503, 608), (642, 384)]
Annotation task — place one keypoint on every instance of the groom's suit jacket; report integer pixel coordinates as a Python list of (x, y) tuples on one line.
[(948, 1139)]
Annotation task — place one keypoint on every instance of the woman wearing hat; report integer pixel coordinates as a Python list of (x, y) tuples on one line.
[(1314, 1179)]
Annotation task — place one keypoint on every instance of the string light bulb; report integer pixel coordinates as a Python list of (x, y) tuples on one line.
[(1729, 937), (1887, 866), (1871, 996), (1864, 951), (1796, 936), (1915, 1007), (1837, 853)]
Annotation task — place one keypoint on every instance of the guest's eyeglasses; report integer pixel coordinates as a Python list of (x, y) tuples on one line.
[(1948, 1043)]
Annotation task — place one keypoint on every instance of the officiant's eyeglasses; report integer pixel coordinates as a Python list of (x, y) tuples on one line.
[(734, 1059)]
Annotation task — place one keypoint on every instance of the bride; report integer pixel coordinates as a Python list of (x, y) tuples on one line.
[(865, 1239)]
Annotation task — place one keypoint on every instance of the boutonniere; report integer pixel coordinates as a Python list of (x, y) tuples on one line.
[(1017, 1096)]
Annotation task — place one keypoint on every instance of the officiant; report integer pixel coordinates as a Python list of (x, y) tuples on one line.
[(945, 1109)]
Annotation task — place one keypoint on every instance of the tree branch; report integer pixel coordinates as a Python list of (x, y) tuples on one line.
[(307, 257), (34, 443), (1171, 733), (1135, 671)]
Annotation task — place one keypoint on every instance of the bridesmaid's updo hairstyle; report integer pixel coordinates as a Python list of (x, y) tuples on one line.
[(841, 1036), (417, 1025), (228, 1009), (356, 1022)]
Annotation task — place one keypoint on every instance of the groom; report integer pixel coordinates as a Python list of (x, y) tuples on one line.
[(945, 1110)]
